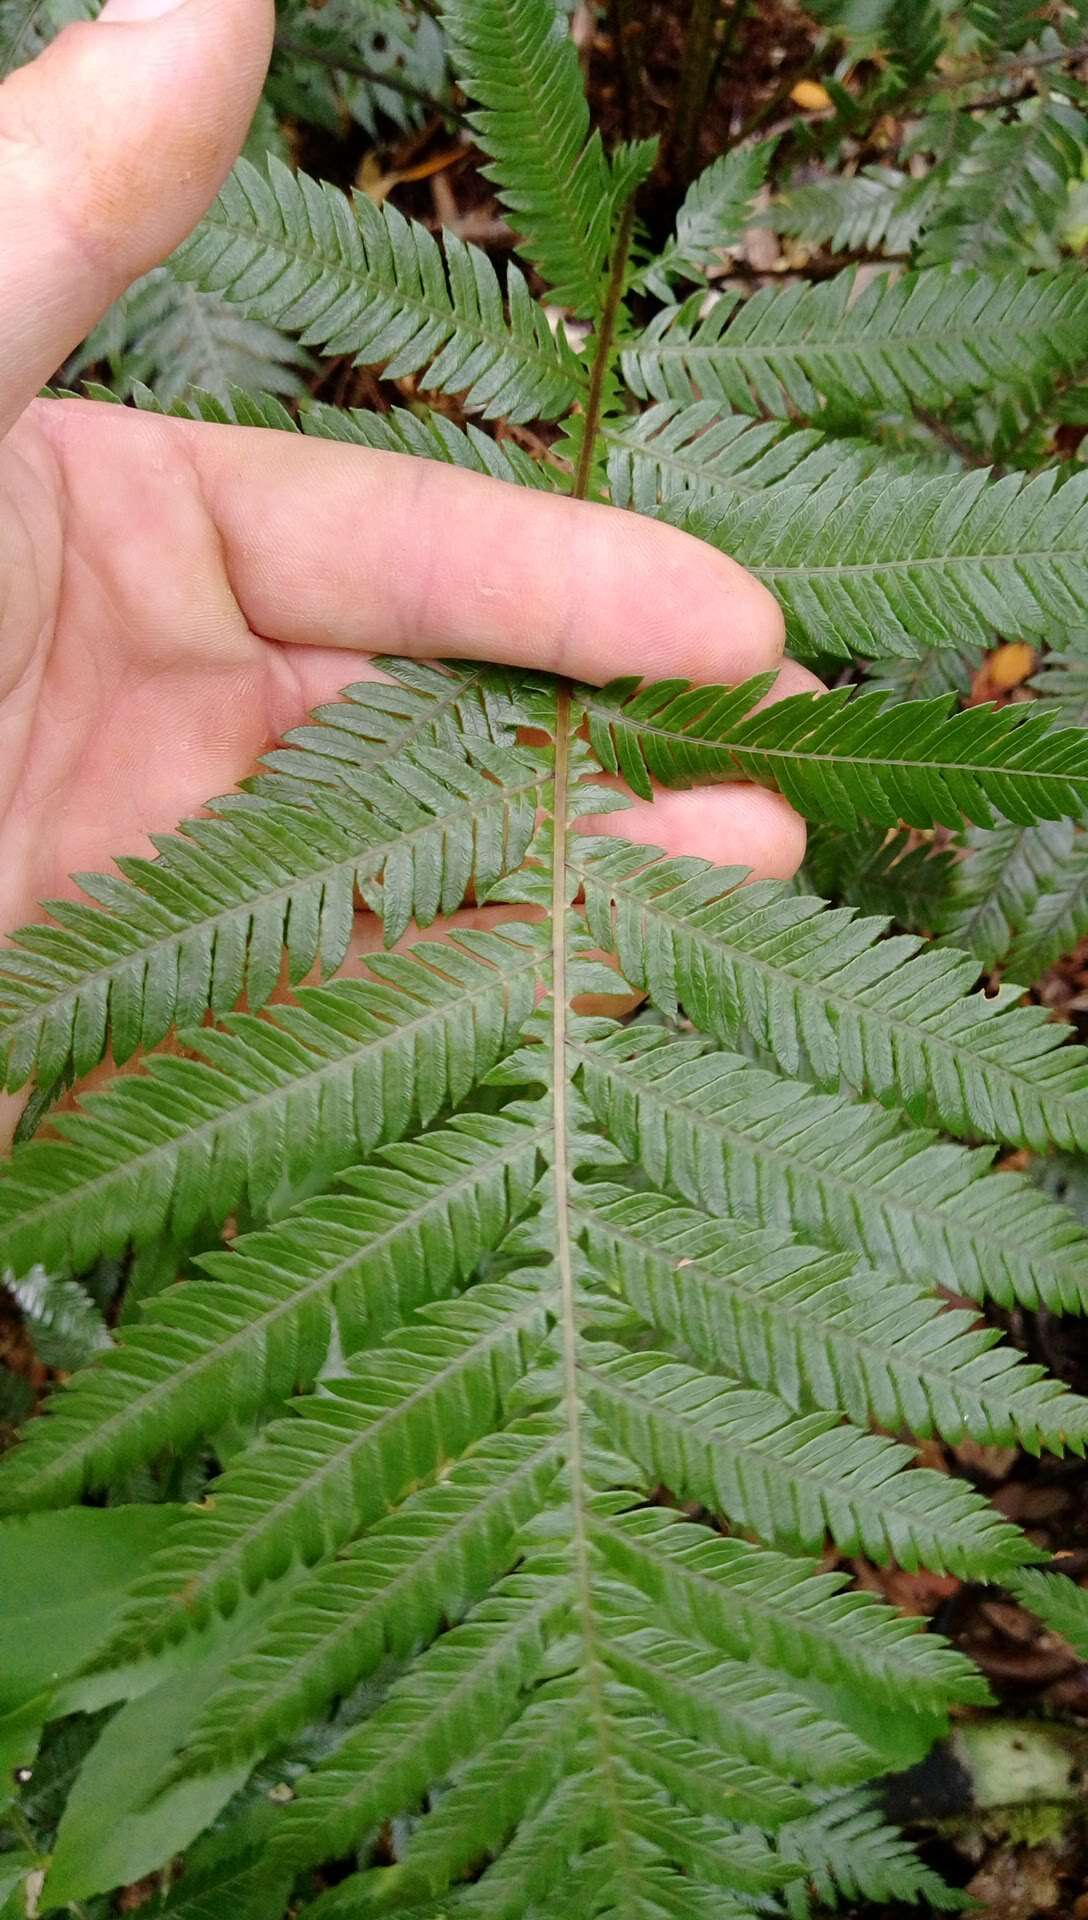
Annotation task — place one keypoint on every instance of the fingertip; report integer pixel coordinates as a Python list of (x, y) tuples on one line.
[(735, 825)]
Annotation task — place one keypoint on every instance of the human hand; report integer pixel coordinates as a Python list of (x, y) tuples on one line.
[(173, 595)]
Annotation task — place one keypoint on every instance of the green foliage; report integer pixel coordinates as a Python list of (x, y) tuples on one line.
[(445, 1506), (1060, 1604)]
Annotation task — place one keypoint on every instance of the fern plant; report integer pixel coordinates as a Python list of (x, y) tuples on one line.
[(454, 1539)]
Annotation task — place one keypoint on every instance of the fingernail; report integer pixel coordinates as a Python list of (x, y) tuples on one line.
[(138, 9)]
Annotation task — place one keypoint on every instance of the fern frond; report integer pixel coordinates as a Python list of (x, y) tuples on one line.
[(315, 1087), (712, 216), (892, 875), (879, 209), (171, 339), (813, 985), (517, 59), (344, 1457), (845, 756), (353, 278), (793, 1479), (820, 1329), (850, 1853), (926, 339), (210, 918), (431, 437), (906, 563), (756, 1604), (1060, 1604), (462, 1694), (672, 452), (347, 1267), (386, 1596), (63, 1321), (743, 1142), (1014, 178), (1020, 897)]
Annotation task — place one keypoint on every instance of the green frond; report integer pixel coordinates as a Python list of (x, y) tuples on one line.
[(925, 339), (346, 1267), (341, 1459), (1019, 897), (385, 1596), (906, 563), (816, 987), (1013, 181), (746, 1143), (672, 452), (352, 278), (699, 1777), (850, 1853), (925, 675), (1060, 1604), (63, 1322), (516, 58), (461, 1695), (794, 1479), (844, 756), (309, 1088), (164, 335), (753, 1603), (430, 437), (879, 209), (893, 875), (712, 216), (210, 918), (819, 1329)]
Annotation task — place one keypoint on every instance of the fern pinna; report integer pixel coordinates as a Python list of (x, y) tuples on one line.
[(559, 1289)]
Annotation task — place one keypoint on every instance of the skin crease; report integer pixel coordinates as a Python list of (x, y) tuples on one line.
[(173, 595)]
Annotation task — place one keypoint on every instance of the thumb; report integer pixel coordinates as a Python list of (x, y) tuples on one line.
[(112, 145)]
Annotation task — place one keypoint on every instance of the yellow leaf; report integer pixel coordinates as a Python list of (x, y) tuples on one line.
[(811, 96), (1010, 665)]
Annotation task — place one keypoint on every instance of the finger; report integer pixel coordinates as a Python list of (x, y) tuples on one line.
[(343, 547), (732, 826), (112, 145)]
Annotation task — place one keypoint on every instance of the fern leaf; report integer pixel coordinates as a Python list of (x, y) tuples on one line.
[(62, 1320), (908, 563), (1060, 1604), (386, 1595), (210, 918), (712, 217), (431, 437), (353, 278), (167, 337), (925, 339), (319, 1085), (786, 1477), (845, 757), (691, 453), (346, 1456), (819, 1329), (1020, 897), (892, 875), (516, 58), (878, 209), (409, 1229), (812, 985), (753, 1603), (850, 1853), (1014, 177), (724, 1706), (745, 1143), (458, 1697)]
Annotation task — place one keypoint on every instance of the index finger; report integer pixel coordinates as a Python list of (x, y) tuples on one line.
[(341, 546)]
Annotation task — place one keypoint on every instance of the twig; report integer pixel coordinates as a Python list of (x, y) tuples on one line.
[(996, 69), (955, 442)]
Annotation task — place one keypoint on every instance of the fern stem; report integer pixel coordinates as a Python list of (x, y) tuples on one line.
[(602, 353), (694, 86)]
